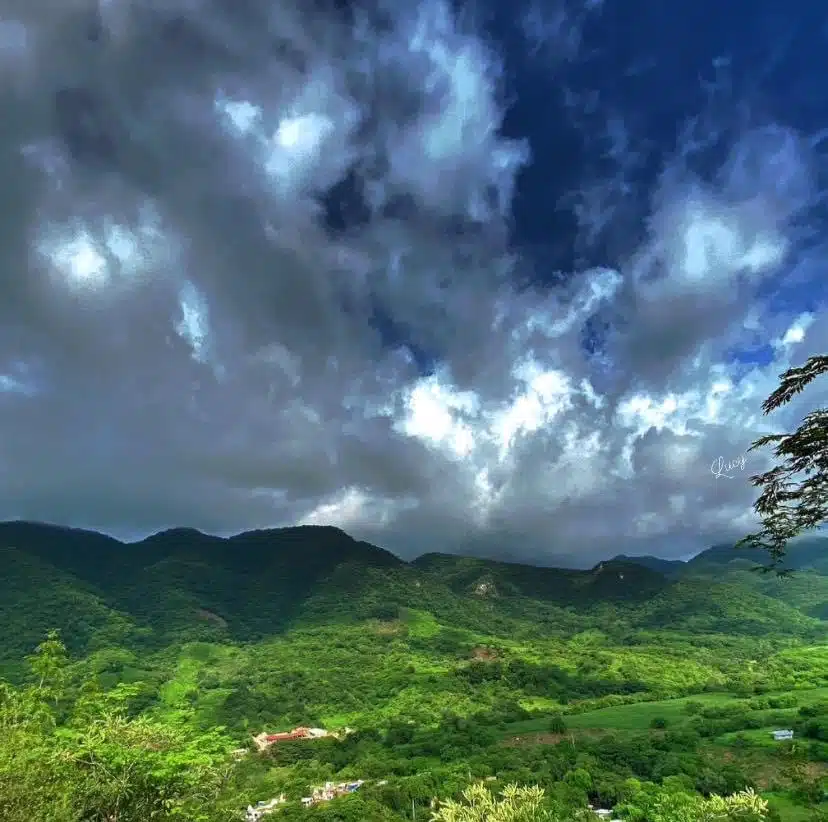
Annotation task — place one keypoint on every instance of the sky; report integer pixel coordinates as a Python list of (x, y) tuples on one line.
[(503, 279)]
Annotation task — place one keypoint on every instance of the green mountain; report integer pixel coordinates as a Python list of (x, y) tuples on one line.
[(806, 554), (734, 570), (175, 581), (36, 596), (450, 668), (612, 580), (181, 585), (668, 567)]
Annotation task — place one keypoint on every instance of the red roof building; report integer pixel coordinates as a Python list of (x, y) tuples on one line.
[(296, 733)]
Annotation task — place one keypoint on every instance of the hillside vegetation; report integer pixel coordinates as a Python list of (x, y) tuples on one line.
[(632, 685)]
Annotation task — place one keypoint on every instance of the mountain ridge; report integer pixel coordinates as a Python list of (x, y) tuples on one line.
[(183, 583), (807, 551)]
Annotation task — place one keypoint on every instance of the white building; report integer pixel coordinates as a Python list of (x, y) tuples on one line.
[(779, 735), (330, 791), (254, 814)]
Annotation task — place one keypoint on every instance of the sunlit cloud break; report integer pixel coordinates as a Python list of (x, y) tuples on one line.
[(178, 284)]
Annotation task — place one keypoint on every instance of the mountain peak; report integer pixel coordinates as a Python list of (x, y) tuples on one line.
[(179, 532)]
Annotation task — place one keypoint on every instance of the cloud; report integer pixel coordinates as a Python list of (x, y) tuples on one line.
[(189, 337)]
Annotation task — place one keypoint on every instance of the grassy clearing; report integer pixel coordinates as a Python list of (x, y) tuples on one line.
[(806, 697), (539, 703), (757, 737), (633, 717), (788, 809), (175, 690), (638, 715), (420, 624)]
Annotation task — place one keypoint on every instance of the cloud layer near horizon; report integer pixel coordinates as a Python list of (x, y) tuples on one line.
[(187, 338)]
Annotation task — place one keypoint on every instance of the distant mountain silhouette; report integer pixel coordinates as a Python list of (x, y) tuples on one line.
[(806, 553), (668, 567)]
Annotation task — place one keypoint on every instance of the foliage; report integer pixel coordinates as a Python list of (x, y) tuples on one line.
[(789, 506), (643, 803), (653, 804), (99, 763), (172, 663), (515, 804)]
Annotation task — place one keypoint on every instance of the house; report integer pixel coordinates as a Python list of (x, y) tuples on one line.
[(255, 813), (786, 734), (296, 733), (331, 791), (265, 740)]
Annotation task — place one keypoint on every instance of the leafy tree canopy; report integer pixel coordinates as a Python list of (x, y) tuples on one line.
[(794, 496), (91, 760)]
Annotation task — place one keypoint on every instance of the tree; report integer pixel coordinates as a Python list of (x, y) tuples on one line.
[(744, 805), (48, 666), (30, 782), (98, 762), (580, 779), (515, 804), (786, 505), (651, 803), (132, 770)]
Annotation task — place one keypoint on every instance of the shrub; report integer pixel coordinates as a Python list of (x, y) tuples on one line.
[(557, 724)]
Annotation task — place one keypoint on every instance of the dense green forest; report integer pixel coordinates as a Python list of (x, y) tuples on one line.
[(136, 676)]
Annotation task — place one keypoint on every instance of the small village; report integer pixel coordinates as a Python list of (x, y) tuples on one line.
[(332, 790), (322, 793)]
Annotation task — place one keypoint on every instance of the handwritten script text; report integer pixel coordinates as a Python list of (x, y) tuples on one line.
[(720, 468)]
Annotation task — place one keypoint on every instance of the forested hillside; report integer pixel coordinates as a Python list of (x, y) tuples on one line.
[(632, 685)]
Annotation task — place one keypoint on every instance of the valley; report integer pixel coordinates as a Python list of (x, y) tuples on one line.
[(631, 686)]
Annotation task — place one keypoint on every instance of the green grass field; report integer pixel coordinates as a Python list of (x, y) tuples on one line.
[(788, 809), (757, 737), (638, 715)]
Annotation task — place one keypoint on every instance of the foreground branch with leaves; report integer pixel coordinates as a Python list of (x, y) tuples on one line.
[(81, 757), (794, 496), (528, 804)]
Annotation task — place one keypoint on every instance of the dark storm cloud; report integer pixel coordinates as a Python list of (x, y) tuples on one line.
[(208, 205)]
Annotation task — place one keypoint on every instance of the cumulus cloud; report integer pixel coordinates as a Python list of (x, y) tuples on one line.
[(233, 234)]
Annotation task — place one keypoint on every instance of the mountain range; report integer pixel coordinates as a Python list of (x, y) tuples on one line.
[(181, 583)]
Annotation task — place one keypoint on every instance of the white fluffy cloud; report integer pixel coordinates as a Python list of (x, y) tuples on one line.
[(188, 338)]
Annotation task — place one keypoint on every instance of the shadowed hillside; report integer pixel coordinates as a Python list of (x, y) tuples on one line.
[(806, 554), (611, 580), (181, 584)]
